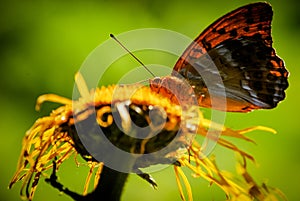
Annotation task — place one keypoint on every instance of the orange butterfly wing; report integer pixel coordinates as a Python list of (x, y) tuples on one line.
[(240, 46), (244, 21)]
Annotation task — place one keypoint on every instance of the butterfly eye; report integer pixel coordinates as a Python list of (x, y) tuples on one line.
[(155, 83)]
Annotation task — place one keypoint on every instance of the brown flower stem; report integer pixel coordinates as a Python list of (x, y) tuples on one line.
[(109, 188)]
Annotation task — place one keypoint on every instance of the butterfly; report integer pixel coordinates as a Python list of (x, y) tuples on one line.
[(239, 45)]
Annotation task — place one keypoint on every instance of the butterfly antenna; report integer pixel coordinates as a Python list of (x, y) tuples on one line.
[(113, 37)]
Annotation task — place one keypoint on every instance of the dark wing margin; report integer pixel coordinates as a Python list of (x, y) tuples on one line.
[(244, 21), (240, 45)]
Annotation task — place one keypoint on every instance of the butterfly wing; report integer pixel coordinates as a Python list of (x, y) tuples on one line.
[(240, 46)]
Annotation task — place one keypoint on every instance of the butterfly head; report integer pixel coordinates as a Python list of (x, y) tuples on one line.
[(178, 90)]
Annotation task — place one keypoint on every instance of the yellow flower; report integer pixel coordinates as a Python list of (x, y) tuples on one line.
[(170, 133)]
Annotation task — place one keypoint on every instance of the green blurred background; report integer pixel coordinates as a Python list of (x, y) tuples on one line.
[(43, 44)]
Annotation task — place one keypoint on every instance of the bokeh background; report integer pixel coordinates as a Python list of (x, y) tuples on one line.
[(43, 44)]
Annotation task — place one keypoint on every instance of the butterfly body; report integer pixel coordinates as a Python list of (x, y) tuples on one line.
[(233, 61)]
